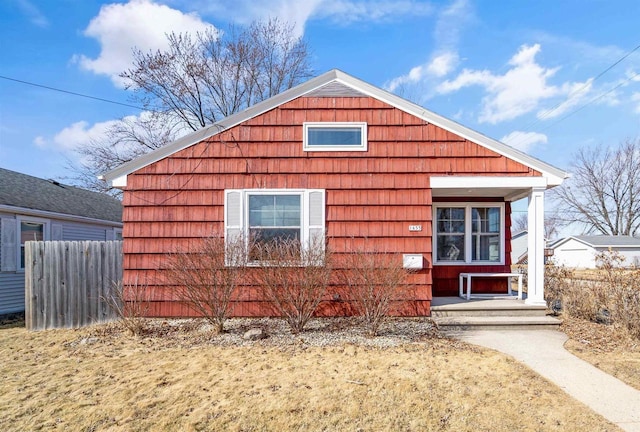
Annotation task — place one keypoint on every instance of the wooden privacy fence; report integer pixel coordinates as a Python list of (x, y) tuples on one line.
[(67, 282)]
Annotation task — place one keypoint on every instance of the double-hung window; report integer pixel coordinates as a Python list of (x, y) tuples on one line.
[(265, 215), (31, 229), (335, 136), (468, 233)]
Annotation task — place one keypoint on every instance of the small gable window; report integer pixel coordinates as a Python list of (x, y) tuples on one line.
[(335, 136)]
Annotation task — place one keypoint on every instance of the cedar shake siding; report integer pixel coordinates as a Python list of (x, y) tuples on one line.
[(375, 194)]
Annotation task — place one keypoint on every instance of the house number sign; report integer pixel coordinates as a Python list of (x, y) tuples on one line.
[(415, 227)]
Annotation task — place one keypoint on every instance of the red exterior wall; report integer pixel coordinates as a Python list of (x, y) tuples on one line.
[(375, 194)]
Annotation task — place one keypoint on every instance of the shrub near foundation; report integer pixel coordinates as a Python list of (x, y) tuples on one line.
[(374, 280), (292, 277), (207, 275), (131, 305)]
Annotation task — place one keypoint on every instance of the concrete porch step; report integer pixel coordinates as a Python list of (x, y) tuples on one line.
[(456, 306), (497, 323)]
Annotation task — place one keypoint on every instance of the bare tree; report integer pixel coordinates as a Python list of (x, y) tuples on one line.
[(203, 78), (198, 80), (604, 192), (519, 222), (552, 224)]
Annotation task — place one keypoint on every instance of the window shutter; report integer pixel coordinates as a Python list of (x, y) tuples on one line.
[(56, 231), (232, 216), (316, 219), (8, 244)]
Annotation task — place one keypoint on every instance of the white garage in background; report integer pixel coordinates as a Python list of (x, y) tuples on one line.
[(580, 251)]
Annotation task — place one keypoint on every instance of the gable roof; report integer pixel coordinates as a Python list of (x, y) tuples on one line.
[(335, 83), (601, 241), (27, 192)]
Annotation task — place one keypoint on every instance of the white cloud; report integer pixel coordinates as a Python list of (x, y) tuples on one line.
[(40, 141), (33, 13), (439, 66), (518, 91), (449, 24), (80, 134), (299, 12), (139, 23), (524, 141), (350, 11), (576, 94)]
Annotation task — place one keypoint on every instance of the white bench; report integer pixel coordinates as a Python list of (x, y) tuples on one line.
[(469, 276)]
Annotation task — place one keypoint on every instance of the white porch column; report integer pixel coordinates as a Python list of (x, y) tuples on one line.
[(535, 253)]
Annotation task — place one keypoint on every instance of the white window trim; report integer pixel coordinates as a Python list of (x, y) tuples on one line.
[(305, 130), (46, 235), (305, 227), (467, 233)]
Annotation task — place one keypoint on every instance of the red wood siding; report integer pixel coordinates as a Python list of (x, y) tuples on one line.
[(375, 194)]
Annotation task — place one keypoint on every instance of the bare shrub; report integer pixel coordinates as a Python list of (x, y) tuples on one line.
[(557, 280), (610, 296), (293, 278), (621, 290), (374, 280), (207, 275), (131, 304)]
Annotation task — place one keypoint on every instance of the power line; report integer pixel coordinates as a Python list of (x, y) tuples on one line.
[(600, 96), (546, 113), (584, 86), (71, 93)]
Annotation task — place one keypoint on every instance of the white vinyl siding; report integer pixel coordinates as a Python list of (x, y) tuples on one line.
[(11, 292)]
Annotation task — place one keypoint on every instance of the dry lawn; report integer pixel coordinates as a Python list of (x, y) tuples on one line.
[(607, 347), (102, 379)]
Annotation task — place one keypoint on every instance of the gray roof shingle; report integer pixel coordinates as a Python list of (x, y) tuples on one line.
[(608, 240), (21, 190)]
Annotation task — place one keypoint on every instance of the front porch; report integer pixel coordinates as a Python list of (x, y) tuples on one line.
[(489, 192), (497, 312)]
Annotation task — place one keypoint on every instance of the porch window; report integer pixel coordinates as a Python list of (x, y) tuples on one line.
[(262, 215), (333, 136), (469, 233)]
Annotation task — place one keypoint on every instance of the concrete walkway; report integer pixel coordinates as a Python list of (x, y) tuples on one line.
[(543, 351)]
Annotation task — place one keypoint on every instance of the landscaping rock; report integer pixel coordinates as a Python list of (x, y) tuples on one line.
[(254, 334), (603, 317)]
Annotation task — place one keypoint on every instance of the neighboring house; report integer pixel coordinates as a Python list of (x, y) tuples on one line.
[(580, 251), (519, 244), (347, 161), (35, 209)]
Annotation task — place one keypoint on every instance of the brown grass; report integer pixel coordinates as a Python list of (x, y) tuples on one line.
[(607, 347), (101, 379)]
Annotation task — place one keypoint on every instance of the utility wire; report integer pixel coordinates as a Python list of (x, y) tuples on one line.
[(71, 93), (546, 113), (584, 86)]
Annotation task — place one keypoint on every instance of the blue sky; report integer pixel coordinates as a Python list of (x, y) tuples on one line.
[(529, 73)]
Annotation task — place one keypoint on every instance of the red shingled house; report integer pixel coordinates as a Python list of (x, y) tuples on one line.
[(352, 161)]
